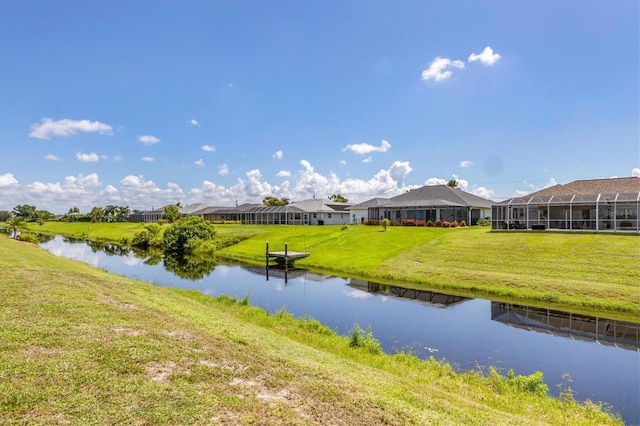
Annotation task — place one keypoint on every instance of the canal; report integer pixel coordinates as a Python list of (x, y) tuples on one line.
[(597, 358)]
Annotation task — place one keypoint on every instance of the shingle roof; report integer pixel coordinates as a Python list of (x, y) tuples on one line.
[(438, 195), (319, 205), (594, 186), (374, 202), (585, 187)]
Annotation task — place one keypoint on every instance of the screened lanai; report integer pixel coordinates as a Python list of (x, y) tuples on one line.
[(275, 215), (589, 212)]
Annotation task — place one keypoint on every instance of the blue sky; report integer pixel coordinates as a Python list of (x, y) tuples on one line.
[(147, 103)]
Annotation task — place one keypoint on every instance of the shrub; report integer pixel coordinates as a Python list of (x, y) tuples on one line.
[(385, 223), (438, 223), (359, 338), (485, 221), (430, 223), (446, 224), (27, 237), (421, 223), (408, 222), (463, 224), (454, 224), (186, 234), (371, 222)]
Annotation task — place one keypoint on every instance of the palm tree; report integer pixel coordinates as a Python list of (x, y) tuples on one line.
[(15, 225), (452, 183)]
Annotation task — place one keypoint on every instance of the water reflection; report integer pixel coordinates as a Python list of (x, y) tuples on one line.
[(601, 356), (565, 324)]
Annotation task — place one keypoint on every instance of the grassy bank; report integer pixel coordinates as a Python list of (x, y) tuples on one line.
[(79, 346), (586, 273), (592, 272)]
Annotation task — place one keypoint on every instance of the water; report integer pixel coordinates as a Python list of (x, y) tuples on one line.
[(599, 359)]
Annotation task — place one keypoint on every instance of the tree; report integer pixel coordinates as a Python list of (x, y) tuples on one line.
[(185, 235), (96, 214), (25, 211), (4, 215), (15, 225), (73, 210), (338, 198), (386, 223), (172, 213), (453, 183), (122, 213), (273, 201)]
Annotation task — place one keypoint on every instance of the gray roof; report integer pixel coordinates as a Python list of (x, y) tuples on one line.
[(192, 208), (374, 202), (586, 190), (438, 195), (320, 205)]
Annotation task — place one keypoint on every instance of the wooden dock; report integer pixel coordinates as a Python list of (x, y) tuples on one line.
[(285, 258)]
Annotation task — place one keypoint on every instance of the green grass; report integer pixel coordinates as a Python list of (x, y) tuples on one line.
[(582, 272), (80, 346), (589, 272)]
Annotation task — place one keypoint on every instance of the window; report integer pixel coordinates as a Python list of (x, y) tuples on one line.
[(329, 215)]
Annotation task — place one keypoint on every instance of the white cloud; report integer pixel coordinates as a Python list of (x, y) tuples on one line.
[(368, 159), (483, 192), (440, 69), (209, 148), (147, 159), (552, 182), (343, 162), (51, 157), (118, 158), (635, 172), (365, 148), (67, 127), (435, 181), (199, 162), (7, 180), (466, 163), (223, 170), (278, 154), (88, 158), (148, 140), (284, 173), (487, 57), (194, 122)]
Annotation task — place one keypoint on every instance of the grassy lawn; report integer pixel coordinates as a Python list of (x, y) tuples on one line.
[(585, 273), (80, 346), (591, 272)]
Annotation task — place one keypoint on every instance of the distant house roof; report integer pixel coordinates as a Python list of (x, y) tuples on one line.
[(589, 187), (192, 208), (320, 205), (374, 202), (437, 195), (593, 186)]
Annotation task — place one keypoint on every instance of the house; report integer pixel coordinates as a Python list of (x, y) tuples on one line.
[(146, 216), (360, 212), (592, 205), (433, 202), (306, 212), (215, 214)]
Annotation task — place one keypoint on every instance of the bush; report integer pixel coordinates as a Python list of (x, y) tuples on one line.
[(186, 234), (454, 224), (446, 224), (421, 223), (485, 221), (463, 224), (359, 338), (27, 237), (408, 222), (438, 224), (430, 223)]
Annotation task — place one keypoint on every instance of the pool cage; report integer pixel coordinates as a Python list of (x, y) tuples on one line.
[(580, 212)]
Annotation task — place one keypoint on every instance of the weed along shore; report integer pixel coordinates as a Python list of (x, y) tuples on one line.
[(81, 346)]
